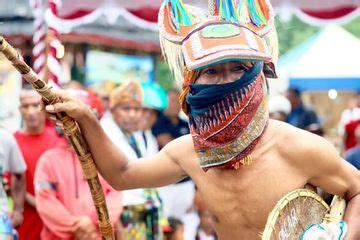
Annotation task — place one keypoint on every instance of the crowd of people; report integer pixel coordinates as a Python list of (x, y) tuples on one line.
[(56, 202), (194, 174)]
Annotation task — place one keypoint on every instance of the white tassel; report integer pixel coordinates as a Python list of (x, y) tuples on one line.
[(174, 58)]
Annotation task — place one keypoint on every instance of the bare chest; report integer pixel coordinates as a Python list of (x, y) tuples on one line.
[(240, 200)]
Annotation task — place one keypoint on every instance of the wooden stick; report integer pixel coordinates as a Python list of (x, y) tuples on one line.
[(73, 134)]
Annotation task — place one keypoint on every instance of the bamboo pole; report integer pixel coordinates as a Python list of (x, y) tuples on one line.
[(73, 134)]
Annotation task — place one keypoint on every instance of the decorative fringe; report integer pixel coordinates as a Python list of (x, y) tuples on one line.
[(181, 15), (174, 57), (247, 160), (257, 9), (272, 41), (227, 10), (189, 78), (212, 8), (257, 13)]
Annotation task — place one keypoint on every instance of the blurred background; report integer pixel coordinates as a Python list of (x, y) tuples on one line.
[(109, 41), (98, 45)]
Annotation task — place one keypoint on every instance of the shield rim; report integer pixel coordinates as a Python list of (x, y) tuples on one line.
[(273, 216)]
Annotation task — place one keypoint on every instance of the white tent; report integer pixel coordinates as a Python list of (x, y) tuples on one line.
[(328, 60)]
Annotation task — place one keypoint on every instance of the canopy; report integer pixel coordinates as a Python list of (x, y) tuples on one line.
[(328, 60)]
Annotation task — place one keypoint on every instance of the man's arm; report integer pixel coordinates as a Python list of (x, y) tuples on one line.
[(113, 165), (17, 167), (330, 172), (18, 194)]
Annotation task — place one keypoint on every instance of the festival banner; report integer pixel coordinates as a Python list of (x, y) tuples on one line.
[(117, 68)]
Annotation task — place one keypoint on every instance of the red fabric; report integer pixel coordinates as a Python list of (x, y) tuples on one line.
[(78, 14), (32, 146), (69, 194), (350, 137), (328, 14), (146, 13)]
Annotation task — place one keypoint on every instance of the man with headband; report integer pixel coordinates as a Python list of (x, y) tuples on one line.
[(241, 162)]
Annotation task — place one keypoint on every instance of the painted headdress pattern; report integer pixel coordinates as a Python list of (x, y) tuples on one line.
[(195, 38)]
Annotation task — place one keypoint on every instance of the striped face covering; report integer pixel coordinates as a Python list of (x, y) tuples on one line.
[(227, 120)]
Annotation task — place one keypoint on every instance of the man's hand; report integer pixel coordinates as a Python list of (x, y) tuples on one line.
[(16, 218), (84, 229), (72, 107)]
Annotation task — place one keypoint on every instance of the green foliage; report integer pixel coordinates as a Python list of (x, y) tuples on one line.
[(292, 33), (163, 75), (353, 27)]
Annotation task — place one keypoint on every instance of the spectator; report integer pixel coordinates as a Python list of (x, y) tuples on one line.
[(349, 121), (279, 108), (300, 116), (61, 185), (102, 91), (169, 125), (11, 161), (33, 139), (353, 154), (140, 217), (154, 101)]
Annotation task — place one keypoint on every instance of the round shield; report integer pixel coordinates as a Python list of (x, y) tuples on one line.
[(293, 214)]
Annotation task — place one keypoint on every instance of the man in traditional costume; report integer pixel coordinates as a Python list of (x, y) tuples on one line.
[(241, 162), (140, 217)]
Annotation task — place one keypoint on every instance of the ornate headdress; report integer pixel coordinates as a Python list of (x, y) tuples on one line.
[(194, 38), (226, 120)]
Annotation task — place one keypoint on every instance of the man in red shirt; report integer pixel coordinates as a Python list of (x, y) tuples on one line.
[(33, 139)]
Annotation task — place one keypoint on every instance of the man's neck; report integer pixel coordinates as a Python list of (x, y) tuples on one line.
[(34, 131)]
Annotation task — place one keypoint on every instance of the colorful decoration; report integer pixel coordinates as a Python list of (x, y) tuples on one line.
[(227, 120), (53, 62), (39, 37), (194, 38)]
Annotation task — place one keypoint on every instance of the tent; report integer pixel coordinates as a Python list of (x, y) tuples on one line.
[(328, 60)]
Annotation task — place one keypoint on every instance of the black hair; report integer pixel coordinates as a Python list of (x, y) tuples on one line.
[(296, 91), (174, 223)]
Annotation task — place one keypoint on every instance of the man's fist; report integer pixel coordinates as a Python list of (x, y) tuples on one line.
[(84, 228)]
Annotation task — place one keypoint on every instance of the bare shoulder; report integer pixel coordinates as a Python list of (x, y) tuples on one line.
[(300, 145), (180, 149)]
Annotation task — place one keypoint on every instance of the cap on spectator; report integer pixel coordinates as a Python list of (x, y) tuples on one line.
[(127, 92), (154, 96), (279, 103)]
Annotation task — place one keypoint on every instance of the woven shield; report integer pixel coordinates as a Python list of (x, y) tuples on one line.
[(293, 214)]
